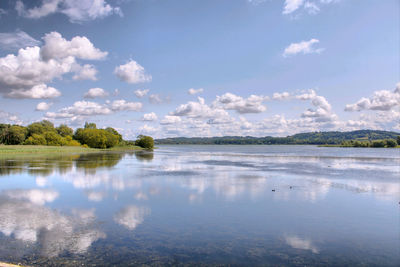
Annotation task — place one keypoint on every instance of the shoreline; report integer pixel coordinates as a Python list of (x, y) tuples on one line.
[(33, 149)]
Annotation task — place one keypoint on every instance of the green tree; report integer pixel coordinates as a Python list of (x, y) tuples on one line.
[(391, 143), (145, 142), (16, 135), (113, 131), (64, 130), (378, 143), (398, 140), (54, 139), (90, 125), (36, 139), (3, 133)]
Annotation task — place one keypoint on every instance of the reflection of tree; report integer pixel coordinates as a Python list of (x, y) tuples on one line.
[(90, 162), (45, 165), (144, 155)]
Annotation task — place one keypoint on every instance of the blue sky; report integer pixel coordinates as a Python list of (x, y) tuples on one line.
[(273, 67)]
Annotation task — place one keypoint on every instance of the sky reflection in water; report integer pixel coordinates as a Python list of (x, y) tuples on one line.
[(208, 204)]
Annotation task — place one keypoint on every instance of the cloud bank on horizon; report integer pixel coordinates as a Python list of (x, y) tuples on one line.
[(170, 79)]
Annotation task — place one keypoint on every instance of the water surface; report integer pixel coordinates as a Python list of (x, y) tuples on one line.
[(203, 205)]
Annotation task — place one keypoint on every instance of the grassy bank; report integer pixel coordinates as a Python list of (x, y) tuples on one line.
[(26, 149), (355, 146)]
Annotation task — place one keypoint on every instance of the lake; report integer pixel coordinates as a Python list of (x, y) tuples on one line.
[(203, 205)]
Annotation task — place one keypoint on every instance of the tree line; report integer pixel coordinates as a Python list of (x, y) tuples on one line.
[(46, 134), (374, 143), (311, 138)]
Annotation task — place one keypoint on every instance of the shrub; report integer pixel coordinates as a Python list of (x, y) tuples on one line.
[(391, 143), (36, 139), (145, 142), (378, 143)]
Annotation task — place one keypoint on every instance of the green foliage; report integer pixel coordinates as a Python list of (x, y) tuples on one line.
[(64, 130), (90, 125), (15, 135), (36, 139), (145, 142), (398, 140), (391, 143), (378, 143), (54, 139), (113, 131), (96, 138), (41, 127)]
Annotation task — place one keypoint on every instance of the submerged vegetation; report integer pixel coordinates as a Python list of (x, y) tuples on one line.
[(313, 138), (44, 133)]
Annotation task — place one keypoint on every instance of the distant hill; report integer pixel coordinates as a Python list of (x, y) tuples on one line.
[(312, 138)]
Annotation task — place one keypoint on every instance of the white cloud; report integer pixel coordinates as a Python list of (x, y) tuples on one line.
[(383, 100), (281, 96), (42, 106), (305, 47), (158, 99), (193, 91), (146, 129), (56, 47), (199, 110), (16, 40), (132, 72), (149, 117), (311, 8), (141, 93), (168, 119), (80, 108), (120, 105), (291, 6), (96, 92), (76, 10), (26, 74), (38, 91), (9, 118), (252, 104), (86, 72)]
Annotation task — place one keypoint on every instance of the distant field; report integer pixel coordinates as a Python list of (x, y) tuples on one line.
[(22, 149)]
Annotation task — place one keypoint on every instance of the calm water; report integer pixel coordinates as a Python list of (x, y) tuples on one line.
[(203, 205)]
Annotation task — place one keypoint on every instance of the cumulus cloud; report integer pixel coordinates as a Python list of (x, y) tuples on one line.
[(198, 110), (85, 72), (322, 111), (252, 104), (310, 6), (158, 99), (80, 108), (77, 11), (168, 119), (16, 40), (383, 100), (132, 72), (281, 96), (305, 47), (193, 91), (9, 118), (26, 74), (291, 6), (147, 129), (95, 92), (119, 105), (38, 91), (149, 117), (43, 106), (141, 93), (56, 47)]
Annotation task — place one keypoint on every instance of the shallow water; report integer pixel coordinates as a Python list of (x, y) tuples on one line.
[(203, 205)]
